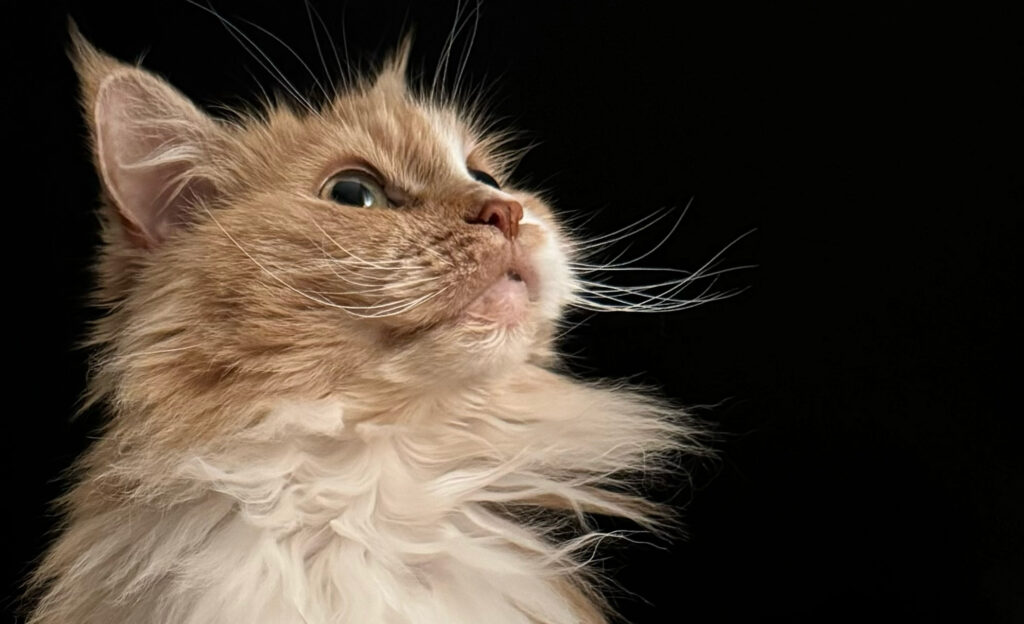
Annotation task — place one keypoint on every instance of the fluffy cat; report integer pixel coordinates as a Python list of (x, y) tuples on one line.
[(329, 370)]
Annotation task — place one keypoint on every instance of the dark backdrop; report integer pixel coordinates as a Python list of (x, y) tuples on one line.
[(870, 464)]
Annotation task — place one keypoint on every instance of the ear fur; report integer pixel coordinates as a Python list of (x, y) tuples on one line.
[(393, 71), (151, 145)]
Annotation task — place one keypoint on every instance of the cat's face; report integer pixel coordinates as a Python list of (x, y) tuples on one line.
[(376, 238), (440, 274)]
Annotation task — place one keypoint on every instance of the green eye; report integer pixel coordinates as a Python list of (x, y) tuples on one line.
[(355, 188)]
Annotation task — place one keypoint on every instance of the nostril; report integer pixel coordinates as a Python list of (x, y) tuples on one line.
[(504, 215)]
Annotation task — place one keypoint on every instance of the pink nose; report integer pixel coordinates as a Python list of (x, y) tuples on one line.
[(502, 214)]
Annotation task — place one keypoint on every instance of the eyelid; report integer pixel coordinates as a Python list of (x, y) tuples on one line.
[(397, 196), (347, 162), (355, 170)]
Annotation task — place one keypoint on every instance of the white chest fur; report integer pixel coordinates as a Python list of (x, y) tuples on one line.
[(315, 519), (358, 524)]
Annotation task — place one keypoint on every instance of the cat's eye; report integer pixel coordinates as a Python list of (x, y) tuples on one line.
[(483, 177), (355, 188)]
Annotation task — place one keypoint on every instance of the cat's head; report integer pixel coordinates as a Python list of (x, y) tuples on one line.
[(377, 236)]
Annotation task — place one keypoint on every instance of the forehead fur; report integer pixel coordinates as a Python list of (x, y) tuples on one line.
[(415, 139), (412, 142)]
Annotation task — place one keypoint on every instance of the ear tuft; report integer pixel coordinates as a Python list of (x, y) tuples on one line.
[(151, 144), (91, 65), (393, 71)]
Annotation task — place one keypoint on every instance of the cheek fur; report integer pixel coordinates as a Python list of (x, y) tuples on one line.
[(548, 254)]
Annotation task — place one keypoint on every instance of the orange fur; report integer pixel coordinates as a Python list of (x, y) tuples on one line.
[(262, 294)]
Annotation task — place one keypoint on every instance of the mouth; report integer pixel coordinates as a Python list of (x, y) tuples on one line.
[(520, 270), (505, 301)]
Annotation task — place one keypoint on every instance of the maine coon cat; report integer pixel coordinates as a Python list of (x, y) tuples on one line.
[(328, 363)]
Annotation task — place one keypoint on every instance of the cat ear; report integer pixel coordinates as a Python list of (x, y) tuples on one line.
[(392, 73), (151, 144)]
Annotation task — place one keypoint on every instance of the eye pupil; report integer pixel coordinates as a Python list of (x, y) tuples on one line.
[(351, 193), (484, 178)]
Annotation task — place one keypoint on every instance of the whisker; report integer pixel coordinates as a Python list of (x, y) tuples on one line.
[(658, 214), (316, 39), (238, 34), (624, 306), (598, 243), (406, 307), (442, 68), (690, 276), (386, 287), (344, 46), (660, 243), (343, 74), (467, 49), (159, 351), (343, 263), (571, 328), (348, 253), (316, 80), (662, 296), (384, 309), (581, 267), (265, 269)]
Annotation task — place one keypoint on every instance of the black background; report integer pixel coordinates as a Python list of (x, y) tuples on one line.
[(870, 464)]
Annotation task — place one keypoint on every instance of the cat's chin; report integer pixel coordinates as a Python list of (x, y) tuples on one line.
[(505, 300), (505, 303)]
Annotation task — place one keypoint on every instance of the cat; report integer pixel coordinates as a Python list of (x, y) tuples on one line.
[(328, 358)]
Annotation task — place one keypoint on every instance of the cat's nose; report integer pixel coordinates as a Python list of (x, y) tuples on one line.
[(503, 214)]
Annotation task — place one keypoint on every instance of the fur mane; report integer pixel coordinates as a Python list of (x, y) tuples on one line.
[(273, 453), (308, 516)]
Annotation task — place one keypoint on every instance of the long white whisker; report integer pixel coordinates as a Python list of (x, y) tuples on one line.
[(568, 330), (658, 214), (658, 246), (265, 269), (442, 68), (372, 290), (383, 309), (581, 267), (467, 50), (721, 252), (407, 306), (364, 262), (273, 70), (295, 54), (625, 306), (316, 40), (374, 280), (589, 246), (657, 297), (690, 279)]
